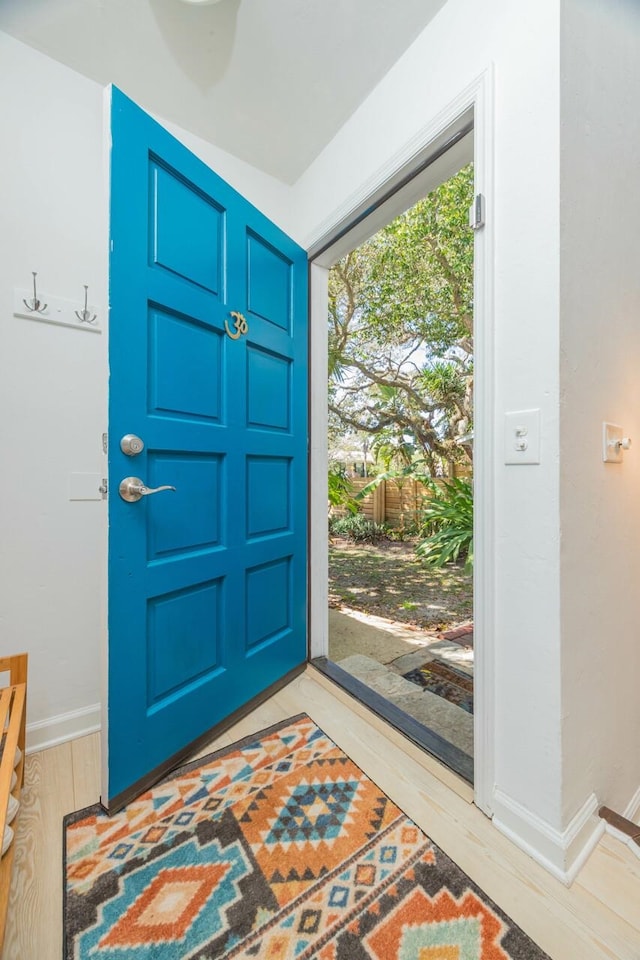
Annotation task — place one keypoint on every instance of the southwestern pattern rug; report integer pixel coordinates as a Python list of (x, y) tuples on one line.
[(277, 848)]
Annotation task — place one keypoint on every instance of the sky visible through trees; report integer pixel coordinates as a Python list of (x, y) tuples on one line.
[(401, 336)]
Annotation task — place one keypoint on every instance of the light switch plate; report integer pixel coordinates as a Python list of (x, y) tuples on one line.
[(522, 436)]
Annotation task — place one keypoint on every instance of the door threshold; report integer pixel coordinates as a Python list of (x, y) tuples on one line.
[(441, 758)]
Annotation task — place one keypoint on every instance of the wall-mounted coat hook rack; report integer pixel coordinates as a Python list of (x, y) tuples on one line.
[(84, 315), (56, 310), (34, 305)]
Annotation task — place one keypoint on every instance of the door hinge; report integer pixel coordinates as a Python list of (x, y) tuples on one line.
[(105, 442), (476, 212), (104, 488)]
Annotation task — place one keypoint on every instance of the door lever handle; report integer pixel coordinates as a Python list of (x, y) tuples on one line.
[(132, 489)]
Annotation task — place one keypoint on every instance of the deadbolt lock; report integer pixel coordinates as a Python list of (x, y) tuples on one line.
[(131, 445)]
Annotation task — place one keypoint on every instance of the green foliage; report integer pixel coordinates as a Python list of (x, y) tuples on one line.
[(339, 491), (418, 270), (357, 528), (393, 451), (448, 519), (401, 330), (443, 382), (409, 530)]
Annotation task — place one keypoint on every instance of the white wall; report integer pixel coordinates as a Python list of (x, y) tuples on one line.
[(53, 381), (52, 384), (522, 42), (600, 363)]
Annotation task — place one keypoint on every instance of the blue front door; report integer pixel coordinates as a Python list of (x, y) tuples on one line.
[(208, 368)]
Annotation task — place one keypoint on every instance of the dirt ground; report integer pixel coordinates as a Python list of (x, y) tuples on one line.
[(388, 580)]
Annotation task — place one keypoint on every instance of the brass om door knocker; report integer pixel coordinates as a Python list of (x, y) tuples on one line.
[(240, 325)]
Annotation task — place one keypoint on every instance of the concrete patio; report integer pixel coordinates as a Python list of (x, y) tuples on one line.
[(379, 652)]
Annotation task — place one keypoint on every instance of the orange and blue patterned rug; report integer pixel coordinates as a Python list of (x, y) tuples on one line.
[(277, 848)]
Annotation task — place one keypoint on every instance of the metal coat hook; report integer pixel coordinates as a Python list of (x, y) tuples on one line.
[(84, 316), (34, 305)]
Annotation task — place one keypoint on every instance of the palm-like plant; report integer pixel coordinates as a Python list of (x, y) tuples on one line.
[(448, 518), (339, 491)]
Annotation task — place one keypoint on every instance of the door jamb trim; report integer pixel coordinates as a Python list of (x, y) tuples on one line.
[(477, 96)]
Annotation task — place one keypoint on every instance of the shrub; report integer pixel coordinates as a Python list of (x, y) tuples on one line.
[(448, 524), (357, 528), (410, 530)]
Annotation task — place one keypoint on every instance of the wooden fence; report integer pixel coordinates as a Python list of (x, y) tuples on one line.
[(397, 503)]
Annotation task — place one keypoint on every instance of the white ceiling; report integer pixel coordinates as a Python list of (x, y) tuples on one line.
[(270, 81)]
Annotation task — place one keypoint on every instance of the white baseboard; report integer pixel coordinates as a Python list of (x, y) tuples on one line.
[(633, 807), (66, 726), (561, 852)]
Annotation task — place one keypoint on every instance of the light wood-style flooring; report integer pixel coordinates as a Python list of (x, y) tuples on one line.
[(597, 918)]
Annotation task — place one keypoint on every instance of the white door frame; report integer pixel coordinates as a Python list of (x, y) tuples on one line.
[(475, 101)]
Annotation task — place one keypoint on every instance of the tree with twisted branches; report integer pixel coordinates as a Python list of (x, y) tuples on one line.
[(401, 332)]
